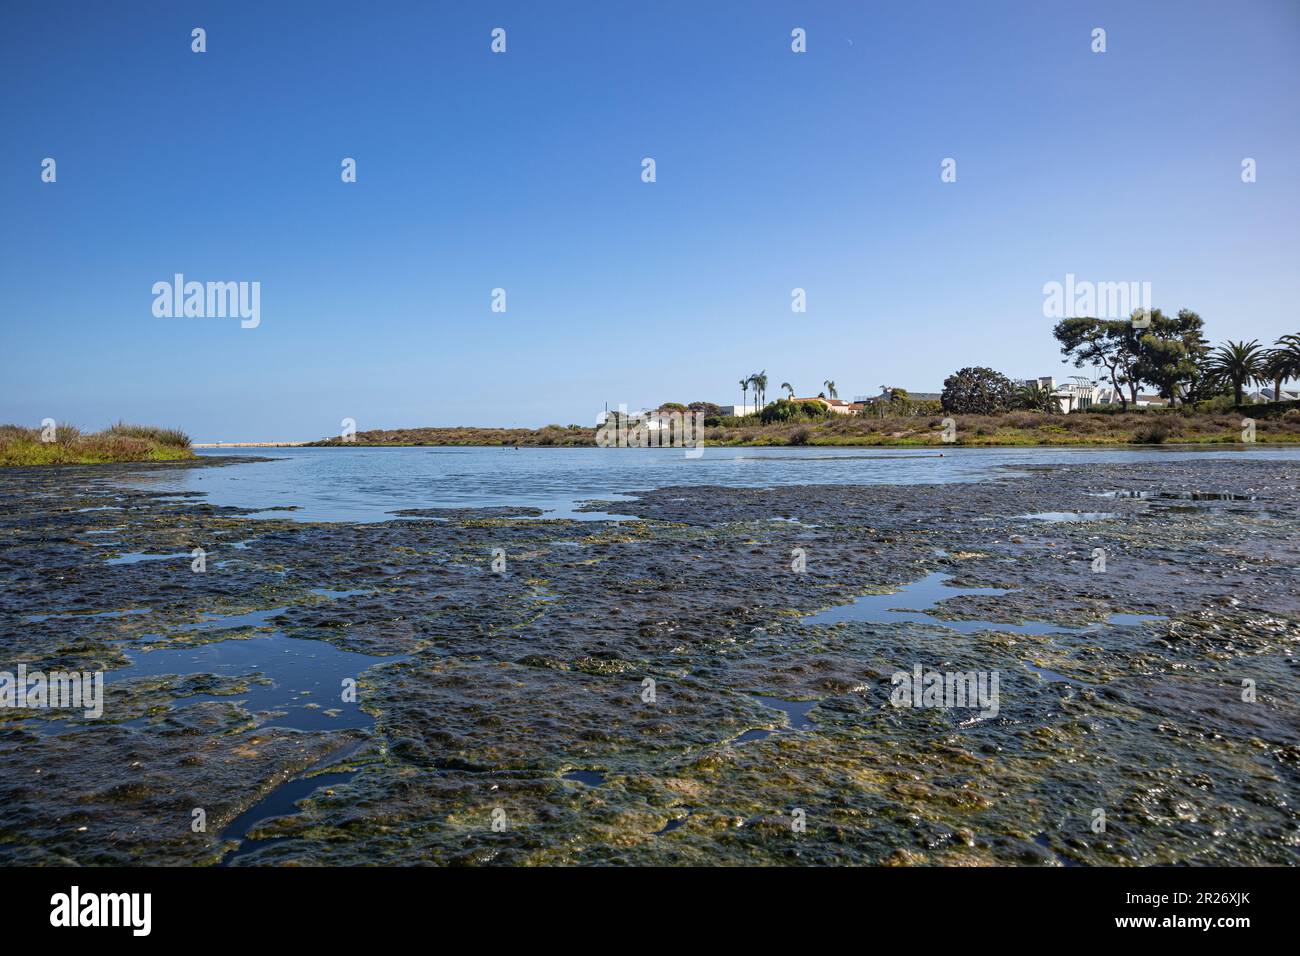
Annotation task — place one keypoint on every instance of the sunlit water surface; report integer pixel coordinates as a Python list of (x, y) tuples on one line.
[(369, 484)]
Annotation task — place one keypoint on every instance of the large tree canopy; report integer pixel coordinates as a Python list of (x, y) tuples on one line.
[(1171, 353), (977, 391), (1111, 344)]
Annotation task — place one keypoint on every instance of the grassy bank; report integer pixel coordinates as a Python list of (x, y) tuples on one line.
[(1009, 429), (68, 445)]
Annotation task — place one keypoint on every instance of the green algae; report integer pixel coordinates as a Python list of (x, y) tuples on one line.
[(489, 687)]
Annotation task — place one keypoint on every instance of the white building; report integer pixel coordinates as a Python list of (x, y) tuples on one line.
[(1266, 395), (1081, 392)]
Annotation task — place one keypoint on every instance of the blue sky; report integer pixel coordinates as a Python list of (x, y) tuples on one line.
[(523, 171)]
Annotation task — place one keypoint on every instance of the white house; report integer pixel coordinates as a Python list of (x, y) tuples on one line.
[(1266, 395), (1081, 392)]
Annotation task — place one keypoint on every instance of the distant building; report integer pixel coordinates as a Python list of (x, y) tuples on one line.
[(1266, 395), (836, 406), (738, 411), (867, 402), (1072, 396), (1081, 392)]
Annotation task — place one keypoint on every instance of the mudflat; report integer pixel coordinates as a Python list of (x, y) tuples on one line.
[(713, 679)]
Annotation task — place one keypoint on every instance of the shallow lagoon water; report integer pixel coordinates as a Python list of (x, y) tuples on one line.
[(369, 484), (914, 602), (1055, 516), (303, 678)]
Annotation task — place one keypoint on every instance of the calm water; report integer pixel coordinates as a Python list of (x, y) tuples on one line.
[(367, 484)]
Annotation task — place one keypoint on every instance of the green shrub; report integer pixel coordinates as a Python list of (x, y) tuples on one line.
[(782, 410), (1218, 405)]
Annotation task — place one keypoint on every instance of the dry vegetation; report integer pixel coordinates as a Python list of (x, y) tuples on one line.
[(1012, 428), (120, 442), (1018, 428), (550, 436)]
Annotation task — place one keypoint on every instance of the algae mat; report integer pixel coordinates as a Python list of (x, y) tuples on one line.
[(715, 680)]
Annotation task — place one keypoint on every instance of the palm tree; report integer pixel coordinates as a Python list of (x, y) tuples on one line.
[(1239, 363), (1032, 397), (830, 388), (1283, 362), (744, 390), (789, 388), (1276, 370), (760, 386)]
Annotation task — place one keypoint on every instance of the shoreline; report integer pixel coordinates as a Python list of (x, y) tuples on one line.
[(808, 447), (940, 448)]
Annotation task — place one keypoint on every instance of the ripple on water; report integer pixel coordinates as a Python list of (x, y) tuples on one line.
[(1059, 516)]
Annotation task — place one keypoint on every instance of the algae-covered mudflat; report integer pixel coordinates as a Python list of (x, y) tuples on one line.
[(693, 673)]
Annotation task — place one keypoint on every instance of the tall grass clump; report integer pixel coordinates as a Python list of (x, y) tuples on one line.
[(171, 437), (68, 445)]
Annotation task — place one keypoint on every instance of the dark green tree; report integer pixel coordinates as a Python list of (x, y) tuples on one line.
[(1102, 343), (1171, 353), (977, 391)]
